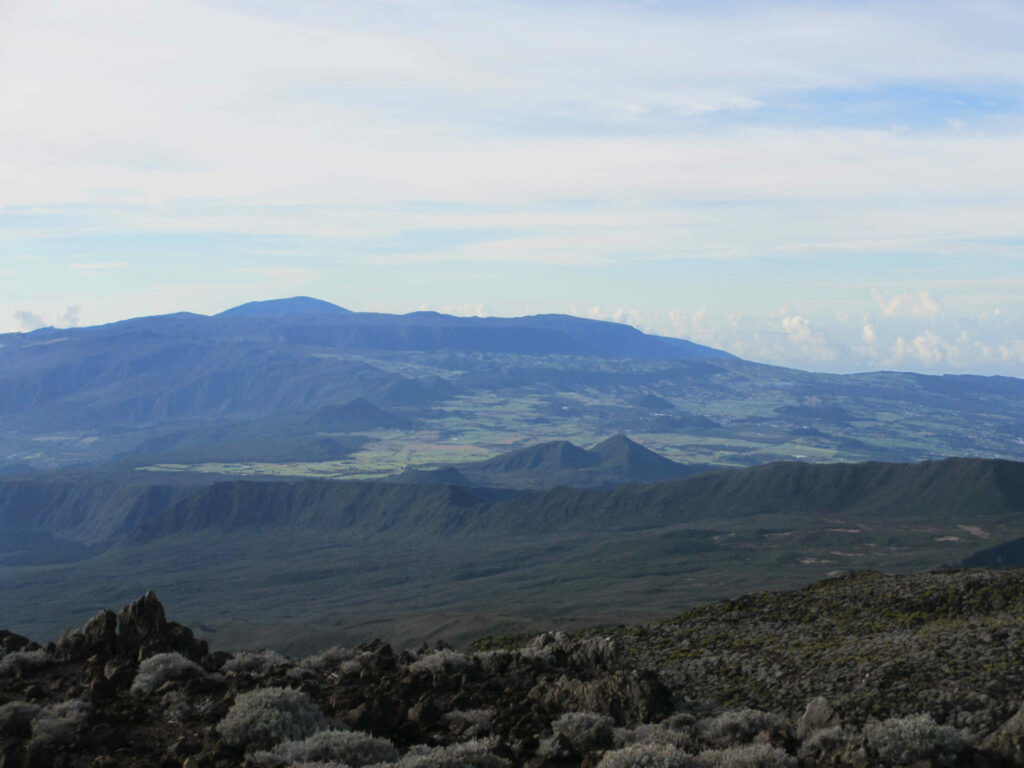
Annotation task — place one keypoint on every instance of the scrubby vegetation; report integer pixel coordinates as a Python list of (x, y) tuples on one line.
[(157, 670), (268, 716), (553, 700), (351, 748)]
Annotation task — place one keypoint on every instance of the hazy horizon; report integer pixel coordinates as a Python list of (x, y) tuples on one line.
[(825, 186)]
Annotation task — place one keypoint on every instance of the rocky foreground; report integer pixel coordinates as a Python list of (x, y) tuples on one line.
[(859, 670)]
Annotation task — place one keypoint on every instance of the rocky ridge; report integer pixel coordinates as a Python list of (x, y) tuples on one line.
[(859, 670)]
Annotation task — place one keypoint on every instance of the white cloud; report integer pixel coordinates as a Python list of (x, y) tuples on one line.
[(920, 304), (459, 310), (804, 336), (27, 321), (581, 135), (69, 317)]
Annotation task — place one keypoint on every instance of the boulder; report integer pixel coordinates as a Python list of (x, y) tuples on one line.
[(819, 714), (1008, 739), (11, 641)]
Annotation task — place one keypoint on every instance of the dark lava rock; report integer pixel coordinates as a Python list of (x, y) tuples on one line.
[(946, 649), (10, 641), (97, 638), (145, 631)]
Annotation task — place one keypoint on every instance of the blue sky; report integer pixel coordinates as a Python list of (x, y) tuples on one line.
[(833, 186)]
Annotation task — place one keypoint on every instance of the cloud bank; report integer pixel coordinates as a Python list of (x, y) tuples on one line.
[(776, 163)]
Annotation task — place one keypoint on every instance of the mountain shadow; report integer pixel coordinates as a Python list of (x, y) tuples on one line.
[(355, 416)]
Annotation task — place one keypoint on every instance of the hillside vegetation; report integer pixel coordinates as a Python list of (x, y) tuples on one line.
[(862, 671), (303, 388), (311, 562)]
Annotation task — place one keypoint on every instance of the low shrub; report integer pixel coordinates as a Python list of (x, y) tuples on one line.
[(585, 730), (267, 716), (653, 733), (468, 754), (473, 720), (748, 756), (157, 670), (327, 660), (739, 726), (176, 706), (20, 662), (831, 745), (16, 719), (494, 662), (351, 748), (440, 661), (61, 723), (648, 756), (253, 662), (907, 740)]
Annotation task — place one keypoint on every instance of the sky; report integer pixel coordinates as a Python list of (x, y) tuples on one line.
[(830, 186)]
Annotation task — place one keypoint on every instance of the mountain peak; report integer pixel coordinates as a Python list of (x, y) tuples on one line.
[(296, 305), (550, 456)]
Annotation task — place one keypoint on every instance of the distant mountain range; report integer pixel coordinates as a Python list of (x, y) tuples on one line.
[(314, 562), (302, 387)]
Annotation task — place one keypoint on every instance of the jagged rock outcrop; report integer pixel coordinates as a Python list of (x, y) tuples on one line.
[(133, 689), (144, 629), (139, 629), (97, 638), (147, 692)]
